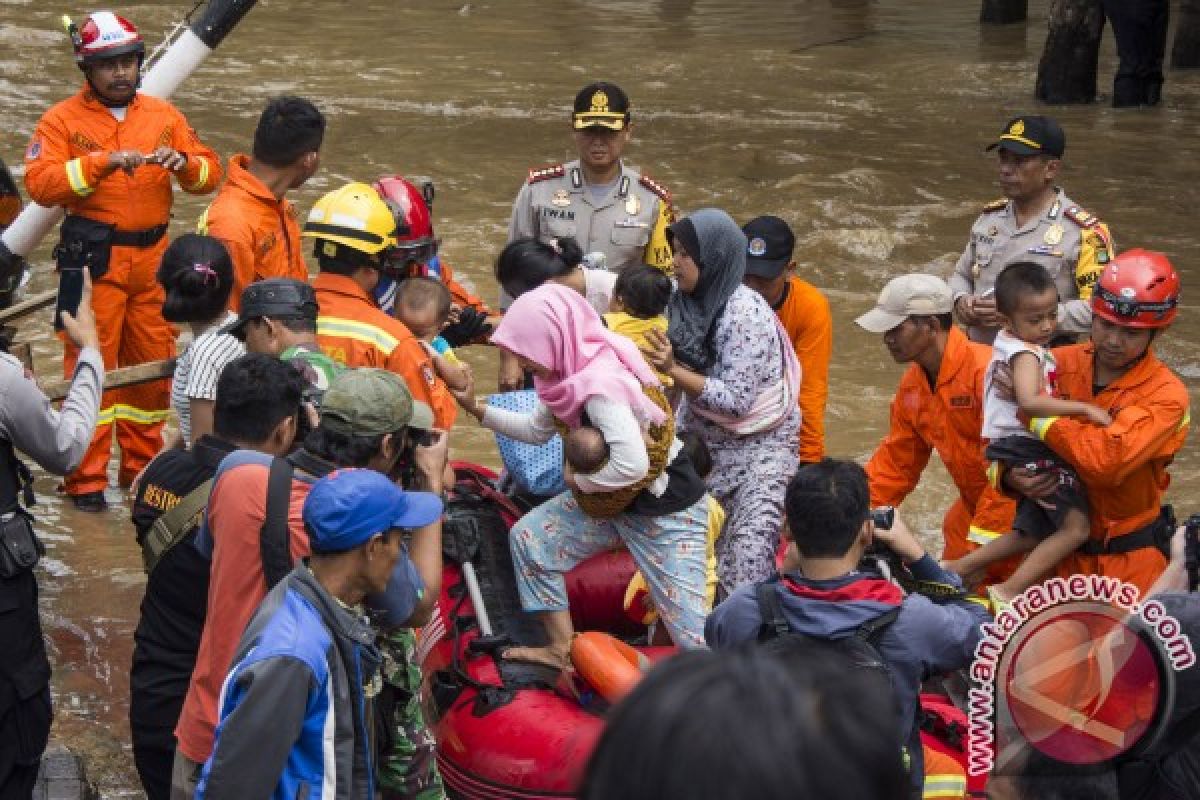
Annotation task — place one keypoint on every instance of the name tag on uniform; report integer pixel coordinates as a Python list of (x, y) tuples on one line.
[(1046, 250), (631, 223)]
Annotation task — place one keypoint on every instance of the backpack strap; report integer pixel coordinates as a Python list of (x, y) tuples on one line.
[(872, 629), (770, 609), (174, 525), (274, 537)]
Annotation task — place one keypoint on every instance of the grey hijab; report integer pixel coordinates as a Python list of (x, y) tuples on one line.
[(718, 246)]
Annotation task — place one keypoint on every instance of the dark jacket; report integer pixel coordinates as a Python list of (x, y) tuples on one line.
[(926, 639)]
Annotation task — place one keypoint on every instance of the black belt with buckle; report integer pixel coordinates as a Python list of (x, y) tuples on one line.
[(146, 238)]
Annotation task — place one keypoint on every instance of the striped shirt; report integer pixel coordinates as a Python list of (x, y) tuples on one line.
[(197, 371)]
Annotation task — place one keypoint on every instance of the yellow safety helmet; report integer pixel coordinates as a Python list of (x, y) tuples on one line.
[(354, 217)]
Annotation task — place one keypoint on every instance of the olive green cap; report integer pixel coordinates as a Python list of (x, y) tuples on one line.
[(369, 402)]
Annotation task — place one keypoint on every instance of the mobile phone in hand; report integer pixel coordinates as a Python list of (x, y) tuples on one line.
[(70, 294)]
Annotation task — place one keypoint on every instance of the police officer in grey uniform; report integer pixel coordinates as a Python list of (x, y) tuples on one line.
[(56, 440), (1035, 221), (618, 215)]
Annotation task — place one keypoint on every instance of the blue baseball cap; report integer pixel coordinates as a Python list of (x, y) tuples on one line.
[(349, 506)]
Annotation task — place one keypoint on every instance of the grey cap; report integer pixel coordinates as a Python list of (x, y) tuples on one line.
[(277, 298), (906, 296)]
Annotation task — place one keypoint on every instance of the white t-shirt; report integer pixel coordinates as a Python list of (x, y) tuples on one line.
[(197, 371), (598, 288), (1000, 414)]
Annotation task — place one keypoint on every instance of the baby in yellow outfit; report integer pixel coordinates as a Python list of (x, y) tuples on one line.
[(639, 304)]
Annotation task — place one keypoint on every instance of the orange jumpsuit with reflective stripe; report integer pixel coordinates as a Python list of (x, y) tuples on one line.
[(352, 330), (948, 419), (260, 232), (805, 315), (945, 777), (1124, 466), (66, 165)]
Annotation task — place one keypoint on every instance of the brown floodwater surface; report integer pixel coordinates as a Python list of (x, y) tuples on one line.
[(860, 122)]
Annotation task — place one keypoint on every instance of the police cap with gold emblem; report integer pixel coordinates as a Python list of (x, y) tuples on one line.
[(601, 105), (1034, 135)]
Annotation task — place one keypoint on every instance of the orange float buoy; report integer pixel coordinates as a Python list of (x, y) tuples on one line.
[(609, 665)]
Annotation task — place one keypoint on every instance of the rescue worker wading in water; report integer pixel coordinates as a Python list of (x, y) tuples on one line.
[(938, 407), (1123, 466), (107, 155)]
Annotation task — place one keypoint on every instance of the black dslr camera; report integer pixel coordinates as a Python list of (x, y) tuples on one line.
[(884, 517)]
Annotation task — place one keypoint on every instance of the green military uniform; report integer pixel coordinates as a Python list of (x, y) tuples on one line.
[(1070, 243), (408, 764)]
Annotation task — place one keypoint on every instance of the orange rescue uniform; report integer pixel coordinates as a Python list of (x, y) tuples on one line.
[(1124, 466), (67, 165), (260, 232), (947, 419), (804, 312), (459, 293), (351, 329)]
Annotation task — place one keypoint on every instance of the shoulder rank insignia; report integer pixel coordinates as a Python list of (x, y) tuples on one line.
[(1084, 219), (546, 173), (656, 187), (996, 205)]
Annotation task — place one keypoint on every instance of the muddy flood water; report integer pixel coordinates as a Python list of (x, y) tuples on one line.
[(861, 122)]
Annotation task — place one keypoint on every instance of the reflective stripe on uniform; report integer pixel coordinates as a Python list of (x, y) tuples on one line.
[(1187, 420), (141, 416), (980, 535), (993, 474), (1039, 426), (75, 177), (128, 413), (203, 179), (944, 786), (359, 331)]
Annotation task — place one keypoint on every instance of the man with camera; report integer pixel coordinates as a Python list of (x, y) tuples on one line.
[(368, 419), (824, 595), (56, 440), (255, 409)]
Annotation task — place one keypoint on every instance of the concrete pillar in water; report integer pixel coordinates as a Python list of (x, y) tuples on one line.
[(1067, 72), (1185, 53), (1003, 12)]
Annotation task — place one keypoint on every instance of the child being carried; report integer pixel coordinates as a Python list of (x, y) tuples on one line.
[(1052, 528), (639, 304)]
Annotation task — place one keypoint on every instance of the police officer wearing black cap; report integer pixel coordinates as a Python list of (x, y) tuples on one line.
[(1034, 221), (278, 317), (618, 215)]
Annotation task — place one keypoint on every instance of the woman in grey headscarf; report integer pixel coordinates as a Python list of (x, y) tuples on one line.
[(728, 353)]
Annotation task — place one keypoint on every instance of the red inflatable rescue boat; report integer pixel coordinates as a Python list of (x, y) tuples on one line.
[(507, 730)]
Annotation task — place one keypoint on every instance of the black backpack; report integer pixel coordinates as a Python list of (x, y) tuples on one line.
[(861, 647)]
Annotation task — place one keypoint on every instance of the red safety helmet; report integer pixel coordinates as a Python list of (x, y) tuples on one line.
[(1139, 289), (105, 35), (415, 242)]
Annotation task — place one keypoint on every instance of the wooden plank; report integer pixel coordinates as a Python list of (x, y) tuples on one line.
[(118, 378), (28, 306)]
